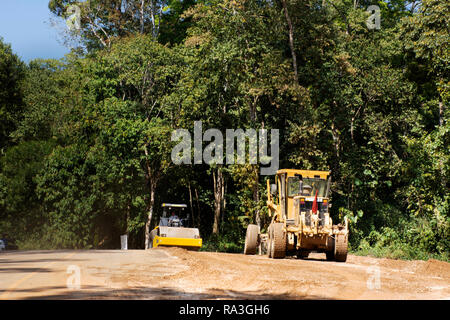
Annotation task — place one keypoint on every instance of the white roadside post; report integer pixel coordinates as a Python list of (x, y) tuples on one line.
[(124, 242)]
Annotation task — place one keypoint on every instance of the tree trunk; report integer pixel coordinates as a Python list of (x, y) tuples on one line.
[(441, 112), (198, 208), (150, 215), (336, 139), (127, 217), (224, 191), (152, 13), (141, 11), (152, 180), (256, 197), (191, 205), (291, 39), (219, 202), (127, 222)]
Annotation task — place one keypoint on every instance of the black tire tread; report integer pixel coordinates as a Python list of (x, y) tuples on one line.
[(279, 241), (340, 248), (251, 239)]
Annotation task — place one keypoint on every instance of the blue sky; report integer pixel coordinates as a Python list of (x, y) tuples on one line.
[(25, 25)]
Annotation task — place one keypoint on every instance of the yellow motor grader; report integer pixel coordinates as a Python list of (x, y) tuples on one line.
[(300, 220)]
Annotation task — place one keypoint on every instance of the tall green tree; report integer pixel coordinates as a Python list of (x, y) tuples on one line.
[(98, 23), (12, 73), (427, 34)]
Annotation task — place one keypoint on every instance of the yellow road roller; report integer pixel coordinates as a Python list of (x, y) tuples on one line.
[(174, 229)]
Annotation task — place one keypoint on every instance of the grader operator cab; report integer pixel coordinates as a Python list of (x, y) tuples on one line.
[(174, 229), (300, 220)]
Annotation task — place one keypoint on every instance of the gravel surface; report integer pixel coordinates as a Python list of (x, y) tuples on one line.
[(174, 273)]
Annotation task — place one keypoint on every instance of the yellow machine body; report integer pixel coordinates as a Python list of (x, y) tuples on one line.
[(298, 203), (188, 243)]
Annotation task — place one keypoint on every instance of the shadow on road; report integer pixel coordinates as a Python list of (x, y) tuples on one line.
[(13, 261), (23, 270), (164, 293)]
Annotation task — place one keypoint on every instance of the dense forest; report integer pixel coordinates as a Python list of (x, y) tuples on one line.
[(85, 141)]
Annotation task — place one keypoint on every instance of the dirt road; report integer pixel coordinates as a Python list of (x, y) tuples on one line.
[(175, 273)]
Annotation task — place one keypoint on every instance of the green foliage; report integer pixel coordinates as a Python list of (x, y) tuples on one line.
[(20, 209), (350, 215), (86, 140), (102, 22), (413, 242), (223, 243), (12, 72)]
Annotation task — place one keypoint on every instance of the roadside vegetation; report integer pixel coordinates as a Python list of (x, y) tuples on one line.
[(85, 141)]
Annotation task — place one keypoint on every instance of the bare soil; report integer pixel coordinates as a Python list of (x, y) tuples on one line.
[(175, 273)]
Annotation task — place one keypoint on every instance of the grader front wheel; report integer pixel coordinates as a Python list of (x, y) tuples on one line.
[(279, 241), (251, 239), (340, 248)]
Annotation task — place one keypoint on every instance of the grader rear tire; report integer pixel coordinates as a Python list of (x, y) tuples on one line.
[(279, 241), (340, 248), (251, 239), (270, 242)]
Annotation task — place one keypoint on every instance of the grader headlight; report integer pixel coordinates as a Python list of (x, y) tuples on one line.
[(302, 204), (325, 205)]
